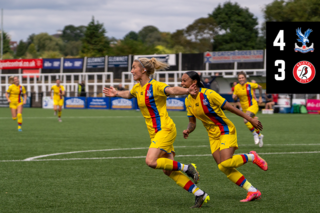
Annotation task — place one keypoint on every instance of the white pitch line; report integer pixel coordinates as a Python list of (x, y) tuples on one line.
[(139, 148), (101, 150), (138, 116), (137, 157)]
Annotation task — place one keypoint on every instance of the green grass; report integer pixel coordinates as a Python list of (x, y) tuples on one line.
[(127, 185)]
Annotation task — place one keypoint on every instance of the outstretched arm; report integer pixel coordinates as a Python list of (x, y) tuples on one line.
[(257, 124), (212, 79), (181, 90), (111, 92), (191, 127)]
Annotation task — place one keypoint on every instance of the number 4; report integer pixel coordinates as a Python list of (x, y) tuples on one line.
[(279, 38)]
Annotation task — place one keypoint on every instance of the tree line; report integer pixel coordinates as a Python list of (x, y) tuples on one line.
[(228, 27)]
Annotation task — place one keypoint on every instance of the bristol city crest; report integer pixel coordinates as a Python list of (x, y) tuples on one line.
[(304, 72), (303, 38)]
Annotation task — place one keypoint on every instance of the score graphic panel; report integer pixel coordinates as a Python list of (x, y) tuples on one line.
[(293, 57)]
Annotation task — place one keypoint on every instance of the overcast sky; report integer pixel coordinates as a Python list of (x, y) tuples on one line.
[(24, 17)]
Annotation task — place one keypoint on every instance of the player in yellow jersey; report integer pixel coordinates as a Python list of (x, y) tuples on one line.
[(206, 105), (152, 96), (58, 94), (13, 95), (245, 92)]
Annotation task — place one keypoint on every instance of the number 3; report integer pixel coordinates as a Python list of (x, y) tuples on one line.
[(282, 76)]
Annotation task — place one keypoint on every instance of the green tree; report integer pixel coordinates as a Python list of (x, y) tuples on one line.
[(51, 54), (95, 43), (180, 42), (45, 42), (32, 52), (237, 26), (73, 33), (202, 32), (21, 49), (132, 35), (148, 31), (129, 46), (72, 48), (292, 11), (6, 44)]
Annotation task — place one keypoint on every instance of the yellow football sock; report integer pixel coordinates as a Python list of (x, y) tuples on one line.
[(250, 127), (183, 181), (19, 119), (235, 176), (258, 132), (235, 161), (167, 164), (14, 118), (59, 114)]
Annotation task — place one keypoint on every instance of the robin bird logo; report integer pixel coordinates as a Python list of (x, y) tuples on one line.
[(304, 72)]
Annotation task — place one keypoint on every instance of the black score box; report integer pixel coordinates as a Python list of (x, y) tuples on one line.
[(293, 57)]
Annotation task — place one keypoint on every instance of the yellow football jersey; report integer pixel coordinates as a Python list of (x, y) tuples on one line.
[(245, 94), (152, 101), (207, 108), (57, 91), (16, 92)]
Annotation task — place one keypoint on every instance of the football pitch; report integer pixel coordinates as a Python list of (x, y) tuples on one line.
[(94, 161)]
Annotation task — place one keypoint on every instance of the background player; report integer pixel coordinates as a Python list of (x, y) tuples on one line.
[(58, 94), (13, 96), (245, 92), (207, 106), (152, 97)]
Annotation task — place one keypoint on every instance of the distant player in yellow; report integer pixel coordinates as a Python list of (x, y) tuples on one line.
[(206, 105), (58, 94), (13, 95), (245, 92), (152, 96)]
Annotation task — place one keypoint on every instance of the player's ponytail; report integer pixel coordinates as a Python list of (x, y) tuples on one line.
[(195, 76), (150, 65)]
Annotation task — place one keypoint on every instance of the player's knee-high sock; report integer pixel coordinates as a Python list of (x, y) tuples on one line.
[(184, 182), (258, 132), (19, 119), (237, 160), (167, 164), (14, 118), (250, 127), (236, 177), (59, 113)]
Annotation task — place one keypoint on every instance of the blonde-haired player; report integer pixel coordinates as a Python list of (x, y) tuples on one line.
[(152, 97), (13, 96), (245, 92), (58, 94)]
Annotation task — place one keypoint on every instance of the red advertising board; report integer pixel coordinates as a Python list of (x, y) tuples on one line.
[(31, 72), (21, 64), (313, 106)]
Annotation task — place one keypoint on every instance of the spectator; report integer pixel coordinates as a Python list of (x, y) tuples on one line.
[(120, 88), (82, 90), (274, 101), (269, 101), (207, 83)]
